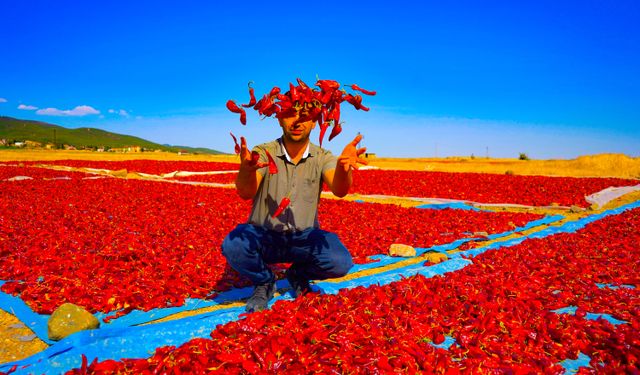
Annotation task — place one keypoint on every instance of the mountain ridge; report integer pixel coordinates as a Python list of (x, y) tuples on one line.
[(14, 130)]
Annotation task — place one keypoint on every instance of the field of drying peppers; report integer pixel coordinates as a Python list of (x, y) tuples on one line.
[(115, 245)]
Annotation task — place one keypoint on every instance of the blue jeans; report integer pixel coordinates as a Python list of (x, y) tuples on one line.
[(314, 253)]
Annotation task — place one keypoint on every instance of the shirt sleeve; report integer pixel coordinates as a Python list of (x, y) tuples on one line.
[(329, 161)]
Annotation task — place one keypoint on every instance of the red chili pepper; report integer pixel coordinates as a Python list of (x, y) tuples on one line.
[(302, 84), (274, 92), (255, 160), (263, 104), (252, 100), (323, 129), (366, 92), (273, 168), (83, 367), (335, 114), (337, 128), (283, 204), (255, 157), (233, 107), (326, 97), (293, 92), (237, 146), (285, 104), (356, 102), (327, 85)]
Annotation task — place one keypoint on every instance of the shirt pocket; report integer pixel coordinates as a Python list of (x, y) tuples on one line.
[(310, 189)]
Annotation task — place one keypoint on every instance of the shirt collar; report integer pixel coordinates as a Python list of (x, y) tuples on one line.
[(284, 152)]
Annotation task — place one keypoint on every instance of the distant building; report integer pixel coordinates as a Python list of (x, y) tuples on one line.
[(33, 144)]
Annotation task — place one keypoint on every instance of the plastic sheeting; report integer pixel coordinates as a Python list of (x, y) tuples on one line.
[(572, 365), (568, 227), (444, 201), (571, 310), (455, 206), (607, 195)]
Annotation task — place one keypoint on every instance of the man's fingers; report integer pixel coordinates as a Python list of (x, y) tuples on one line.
[(361, 151), (356, 140)]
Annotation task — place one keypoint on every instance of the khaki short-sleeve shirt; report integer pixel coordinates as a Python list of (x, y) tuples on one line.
[(301, 182)]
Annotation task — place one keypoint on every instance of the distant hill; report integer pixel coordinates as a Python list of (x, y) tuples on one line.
[(13, 129)]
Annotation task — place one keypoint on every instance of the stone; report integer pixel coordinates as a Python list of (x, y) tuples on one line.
[(400, 250), (575, 209), (68, 319), (435, 257)]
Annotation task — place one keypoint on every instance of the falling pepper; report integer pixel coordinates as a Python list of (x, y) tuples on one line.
[(366, 92), (308, 101), (293, 92), (327, 85), (252, 100), (237, 146), (337, 129), (233, 107), (273, 168), (281, 207), (274, 92), (323, 129), (302, 84)]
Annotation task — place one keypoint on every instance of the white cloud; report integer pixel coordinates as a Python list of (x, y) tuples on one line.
[(81, 110), (27, 107), (120, 112), (3, 100)]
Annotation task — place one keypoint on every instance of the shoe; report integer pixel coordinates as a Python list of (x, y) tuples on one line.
[(299, 285), (260, 298)]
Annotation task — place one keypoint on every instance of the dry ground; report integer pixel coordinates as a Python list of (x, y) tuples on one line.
[(603, 165)]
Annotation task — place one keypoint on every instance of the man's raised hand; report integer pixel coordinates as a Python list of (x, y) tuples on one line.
[(350, 157), (249, 160)]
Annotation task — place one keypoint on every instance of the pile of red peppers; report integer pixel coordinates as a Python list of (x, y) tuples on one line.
[(321, 105), (499, 311), (113, 244)]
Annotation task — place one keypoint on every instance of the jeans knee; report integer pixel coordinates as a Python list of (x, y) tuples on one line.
[(340, 258), (228, 248), (341, 264), (237, 243)]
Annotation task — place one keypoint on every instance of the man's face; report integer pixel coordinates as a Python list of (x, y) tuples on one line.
[(295, 130)]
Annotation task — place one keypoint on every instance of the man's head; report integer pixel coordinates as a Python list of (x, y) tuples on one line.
[(296, 126)]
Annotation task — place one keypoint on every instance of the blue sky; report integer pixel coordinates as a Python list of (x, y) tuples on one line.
[(553, 79)]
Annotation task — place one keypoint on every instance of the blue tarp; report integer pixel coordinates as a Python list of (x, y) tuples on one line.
[(455, 206)]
